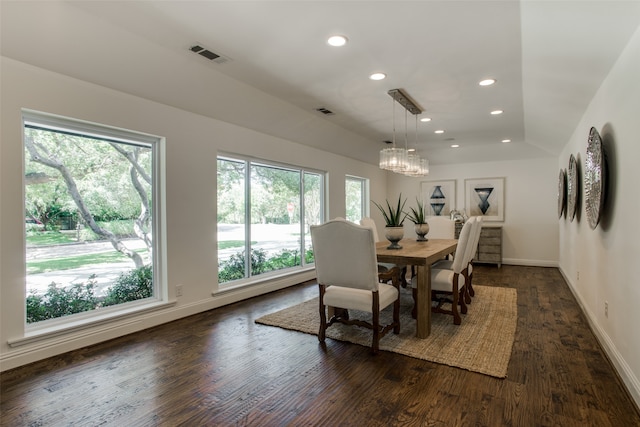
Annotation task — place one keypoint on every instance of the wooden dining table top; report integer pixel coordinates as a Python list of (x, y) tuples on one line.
[(416, 253)]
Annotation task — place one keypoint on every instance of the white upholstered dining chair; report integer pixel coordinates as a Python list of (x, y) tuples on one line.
[(441, 227), (348, 279), (448, 285), (471, 254), (384, 266), (472, 250)]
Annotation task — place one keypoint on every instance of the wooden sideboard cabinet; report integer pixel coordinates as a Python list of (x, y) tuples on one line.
[(489, 246)]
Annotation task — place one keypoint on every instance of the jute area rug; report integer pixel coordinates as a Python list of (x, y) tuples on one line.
[(482, 343)]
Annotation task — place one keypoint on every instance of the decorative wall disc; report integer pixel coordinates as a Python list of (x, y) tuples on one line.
[(562, 192), (594, 178), (572, 187)]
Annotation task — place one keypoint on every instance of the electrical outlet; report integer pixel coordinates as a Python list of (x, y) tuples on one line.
[(178, 290), (606, 309), (578, 276)]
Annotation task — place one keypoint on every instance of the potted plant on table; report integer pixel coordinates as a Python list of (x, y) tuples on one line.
[(394, 220), (419, 218)]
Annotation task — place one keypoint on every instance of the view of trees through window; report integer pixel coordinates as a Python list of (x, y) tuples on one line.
[(265, 211), (88, 219), (355, 198)]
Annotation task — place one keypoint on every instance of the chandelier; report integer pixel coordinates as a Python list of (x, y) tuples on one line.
[(404, 160)]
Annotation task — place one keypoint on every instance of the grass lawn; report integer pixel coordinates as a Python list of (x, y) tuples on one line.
[(44, 238), (57, 264), (56, 238), (226, 244)]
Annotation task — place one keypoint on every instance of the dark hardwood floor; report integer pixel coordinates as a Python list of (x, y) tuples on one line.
[(220, 368)]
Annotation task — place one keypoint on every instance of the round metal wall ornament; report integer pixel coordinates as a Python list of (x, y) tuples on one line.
[(562, 192), (594, 178), (572, 187)]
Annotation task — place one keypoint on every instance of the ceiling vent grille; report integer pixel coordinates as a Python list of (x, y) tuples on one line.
[(211, 56), (325, 111)]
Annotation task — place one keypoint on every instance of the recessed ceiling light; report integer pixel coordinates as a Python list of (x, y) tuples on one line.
[(337, 40), (425, 119), (504, 141), (438, 131), (496, 112), (377, 76), (455, 145), (487, 82)]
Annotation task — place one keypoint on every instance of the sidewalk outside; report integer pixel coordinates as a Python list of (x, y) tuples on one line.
[(270, 237)]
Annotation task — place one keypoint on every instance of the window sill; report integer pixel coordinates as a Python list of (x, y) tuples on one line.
[(87, 325), (264, 279)]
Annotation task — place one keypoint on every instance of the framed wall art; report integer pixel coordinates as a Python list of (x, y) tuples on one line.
[(485, 197), (439, 197)]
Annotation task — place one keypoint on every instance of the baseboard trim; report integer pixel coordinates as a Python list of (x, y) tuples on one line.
[(530, 262), (631, 382)]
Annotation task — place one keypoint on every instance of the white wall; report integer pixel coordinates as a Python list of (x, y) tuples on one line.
[(600, 264), (192, 142), (530, 227)]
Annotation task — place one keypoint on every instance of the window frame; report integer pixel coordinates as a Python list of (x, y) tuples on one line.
[(364, 195), (160, 298), (302, 171)]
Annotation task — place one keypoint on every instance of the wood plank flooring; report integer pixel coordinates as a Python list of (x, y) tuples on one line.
[(220, 368)]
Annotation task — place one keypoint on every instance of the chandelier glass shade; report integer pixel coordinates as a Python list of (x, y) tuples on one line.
[(413, 164), (422, 168), (393, 159)]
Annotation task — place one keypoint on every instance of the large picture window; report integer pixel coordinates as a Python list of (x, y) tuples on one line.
[(264, 214), (91, 218)]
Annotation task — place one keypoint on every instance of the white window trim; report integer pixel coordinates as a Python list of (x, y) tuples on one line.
[(245, 282), (128, 311), (365, 193)]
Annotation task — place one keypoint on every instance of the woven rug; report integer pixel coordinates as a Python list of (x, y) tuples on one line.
[(482, 343)]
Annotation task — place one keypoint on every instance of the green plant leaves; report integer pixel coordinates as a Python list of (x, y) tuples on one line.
[(393, 217)]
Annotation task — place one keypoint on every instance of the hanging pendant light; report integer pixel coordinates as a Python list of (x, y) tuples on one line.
[(403, 160), (410, 164), (394, 158), (413, 159), (417, 165)]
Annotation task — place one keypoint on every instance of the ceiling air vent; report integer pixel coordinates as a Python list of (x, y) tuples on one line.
[(211, 56), (325, 111)]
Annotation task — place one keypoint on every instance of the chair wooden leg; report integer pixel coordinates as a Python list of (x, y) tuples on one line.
[(375, 344), (470, 290), (341, 313), (323, 315), (461, 299), (466, 296), (454, 305)]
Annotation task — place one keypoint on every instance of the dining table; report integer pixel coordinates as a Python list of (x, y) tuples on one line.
[(420, 254)]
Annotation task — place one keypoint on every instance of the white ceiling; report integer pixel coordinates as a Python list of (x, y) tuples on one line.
[(549, 58)]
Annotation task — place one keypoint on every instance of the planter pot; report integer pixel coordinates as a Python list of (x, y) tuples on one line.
[(394, 235), (421, 230)]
